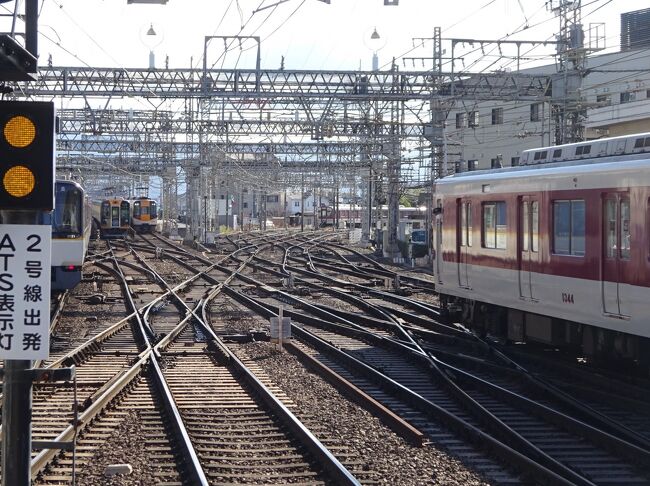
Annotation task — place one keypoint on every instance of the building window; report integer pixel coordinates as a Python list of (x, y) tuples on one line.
[(296, 204), (604, 99), (535, 112), (461, 120), (496, 163), (628, 96), (272, 199), (514, 161), (647, 93), (569, 227), (497, 116), (245, 205), (494, 225), (473, 119)]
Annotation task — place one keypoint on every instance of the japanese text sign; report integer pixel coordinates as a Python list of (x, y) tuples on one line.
[(25, 272)]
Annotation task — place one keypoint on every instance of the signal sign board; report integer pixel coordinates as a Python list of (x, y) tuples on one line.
[(27, 154), (25, 269)]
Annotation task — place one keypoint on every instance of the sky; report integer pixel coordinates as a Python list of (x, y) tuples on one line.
[(309, 34)]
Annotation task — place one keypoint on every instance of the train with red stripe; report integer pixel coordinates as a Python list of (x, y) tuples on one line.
[(556, 250)]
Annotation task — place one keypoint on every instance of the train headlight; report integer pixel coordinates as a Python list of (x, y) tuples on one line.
[(18, 181)]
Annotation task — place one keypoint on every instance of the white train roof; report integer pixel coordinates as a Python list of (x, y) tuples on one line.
[(610, 173)]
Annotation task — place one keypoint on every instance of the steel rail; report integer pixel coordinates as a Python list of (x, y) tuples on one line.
[(603, 421), (493, 423), (315, 447), (465, 429), (191, 460)]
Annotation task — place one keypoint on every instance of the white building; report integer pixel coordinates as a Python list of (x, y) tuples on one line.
[(616, 93)]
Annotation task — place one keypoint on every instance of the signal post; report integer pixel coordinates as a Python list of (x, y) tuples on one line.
[(27, 160)]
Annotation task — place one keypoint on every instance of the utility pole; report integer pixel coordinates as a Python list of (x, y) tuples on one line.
[(568, 108), (302, 203)]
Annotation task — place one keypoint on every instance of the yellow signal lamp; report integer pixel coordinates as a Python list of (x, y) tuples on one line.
[(19, 181), (19, 131), (27, 155)]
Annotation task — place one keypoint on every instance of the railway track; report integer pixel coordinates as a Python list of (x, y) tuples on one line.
[(626, 467), (132, 377), (318, 463)]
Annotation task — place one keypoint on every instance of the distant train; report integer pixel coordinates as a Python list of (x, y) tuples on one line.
[(113, 216), (556, 251), (144, 215), (71, 228)]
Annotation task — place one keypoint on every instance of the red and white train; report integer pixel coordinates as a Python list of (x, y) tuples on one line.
[(556, 250)]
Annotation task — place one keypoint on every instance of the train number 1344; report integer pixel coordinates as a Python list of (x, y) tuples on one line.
[(567, 298)]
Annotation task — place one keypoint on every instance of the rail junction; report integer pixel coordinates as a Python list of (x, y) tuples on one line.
[(297, 276)]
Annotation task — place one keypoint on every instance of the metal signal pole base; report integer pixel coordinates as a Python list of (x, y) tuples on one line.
[(17, 423)]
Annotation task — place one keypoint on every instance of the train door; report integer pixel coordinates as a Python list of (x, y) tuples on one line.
[(463, 240), (438, 242), (528, 245), (616, 252)]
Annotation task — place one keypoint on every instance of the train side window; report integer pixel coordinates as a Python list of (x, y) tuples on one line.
[(648, 223), (494, 225), (625, 229), (463, 224), (569, 227), (525, 226), (611, 245), (469, 224), (466, 224), (534, 206)]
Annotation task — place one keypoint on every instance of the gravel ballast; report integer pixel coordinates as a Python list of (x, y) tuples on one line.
[(392, 459)]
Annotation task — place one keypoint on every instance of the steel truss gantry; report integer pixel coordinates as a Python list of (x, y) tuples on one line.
[(266, 85), (273, 122)]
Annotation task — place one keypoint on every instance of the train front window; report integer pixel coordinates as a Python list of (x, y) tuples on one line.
[(124, 212), (145, 210), (106, 212), (154, 210), (67, 211), (136, 209)]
